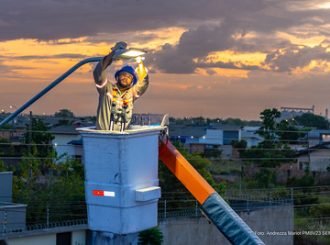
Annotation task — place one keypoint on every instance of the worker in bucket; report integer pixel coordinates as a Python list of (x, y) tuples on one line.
[(114, 111)]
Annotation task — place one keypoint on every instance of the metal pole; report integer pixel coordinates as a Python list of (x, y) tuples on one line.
[(29, 134), (309, 155), (165, 209), (5, 222), (47, 221), (48, 88), (196, 208)]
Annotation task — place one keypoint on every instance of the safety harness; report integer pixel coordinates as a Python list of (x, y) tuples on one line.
[(119, 108)]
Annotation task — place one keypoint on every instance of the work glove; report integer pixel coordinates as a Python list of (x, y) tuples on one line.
[(119, 48), (139, 59)]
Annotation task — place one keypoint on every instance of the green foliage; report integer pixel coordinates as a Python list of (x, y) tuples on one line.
[(321, 210), (6, 126), (29, 167), (265, 156), (62, 195), (242, 144), (302, 198), (306, 180), (274, 149), (66, 116), (287, 131), (40, 138), (66, 113), (170, 184), (311, 120), (2, 166), (268, 117), (153, 236), (212, 153), (6, 148), (200, 163), (265, 178)]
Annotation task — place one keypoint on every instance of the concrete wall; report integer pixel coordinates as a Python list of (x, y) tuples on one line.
[(12, 217), (184, 230), (6, 186), (198, 231), (49, 239), (77, 238), (319, 160)]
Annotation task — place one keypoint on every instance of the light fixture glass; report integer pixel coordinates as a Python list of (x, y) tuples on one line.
[(132, 53)]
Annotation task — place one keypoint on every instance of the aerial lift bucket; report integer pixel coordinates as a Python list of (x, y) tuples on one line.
[(216, 209)]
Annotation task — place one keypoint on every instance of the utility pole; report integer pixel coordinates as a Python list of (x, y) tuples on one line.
[(30, 132), (308, 152), (47, 215), (30, 140)]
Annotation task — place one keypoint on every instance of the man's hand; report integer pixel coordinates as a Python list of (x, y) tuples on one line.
[(139, 59), (141, 70), (120, 46), (115, 51)]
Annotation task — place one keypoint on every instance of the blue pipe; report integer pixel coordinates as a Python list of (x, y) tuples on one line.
[(48, 88)]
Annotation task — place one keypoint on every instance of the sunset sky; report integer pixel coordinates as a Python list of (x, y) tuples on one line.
[(214, 58)]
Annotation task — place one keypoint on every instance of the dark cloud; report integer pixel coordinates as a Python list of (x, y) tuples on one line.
[(229, 65), (193, 44), (295, 56), (262, 18), (212, 25), (39, 57), (54, 19)]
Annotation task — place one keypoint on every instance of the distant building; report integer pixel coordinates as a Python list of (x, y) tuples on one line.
[(316, 158), (223, 135), (291, 112), (146, 118), (318, 136), (66, 141), (203, 140), (250, 135), (186, 134), (12, 215)]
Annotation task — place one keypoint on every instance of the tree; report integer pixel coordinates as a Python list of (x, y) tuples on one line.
[(6, 148), (311, 120), (173, 189), (212, 153), (274, 148), (40, 138), (62, 196), (268, 117), (169, 182), (65, 116), (241, 145), (152, 236), (288, 132), (266, 178), (66, 113), (6, 126)]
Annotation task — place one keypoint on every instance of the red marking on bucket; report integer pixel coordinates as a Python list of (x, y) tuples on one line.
[(102, 193), (98, 193)]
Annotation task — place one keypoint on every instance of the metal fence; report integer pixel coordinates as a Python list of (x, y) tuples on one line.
[(167, 209)]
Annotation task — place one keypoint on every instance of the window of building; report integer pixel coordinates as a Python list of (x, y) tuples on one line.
[(63, 238)]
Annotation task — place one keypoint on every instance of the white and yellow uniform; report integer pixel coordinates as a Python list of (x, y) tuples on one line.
[(115, 105)]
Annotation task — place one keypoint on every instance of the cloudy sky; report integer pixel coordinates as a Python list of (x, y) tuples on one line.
[(215, 58)]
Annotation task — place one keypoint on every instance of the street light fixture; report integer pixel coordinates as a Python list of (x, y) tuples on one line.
[(131, 53)]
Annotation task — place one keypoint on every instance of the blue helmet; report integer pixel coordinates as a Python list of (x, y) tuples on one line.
[(128, 69)]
